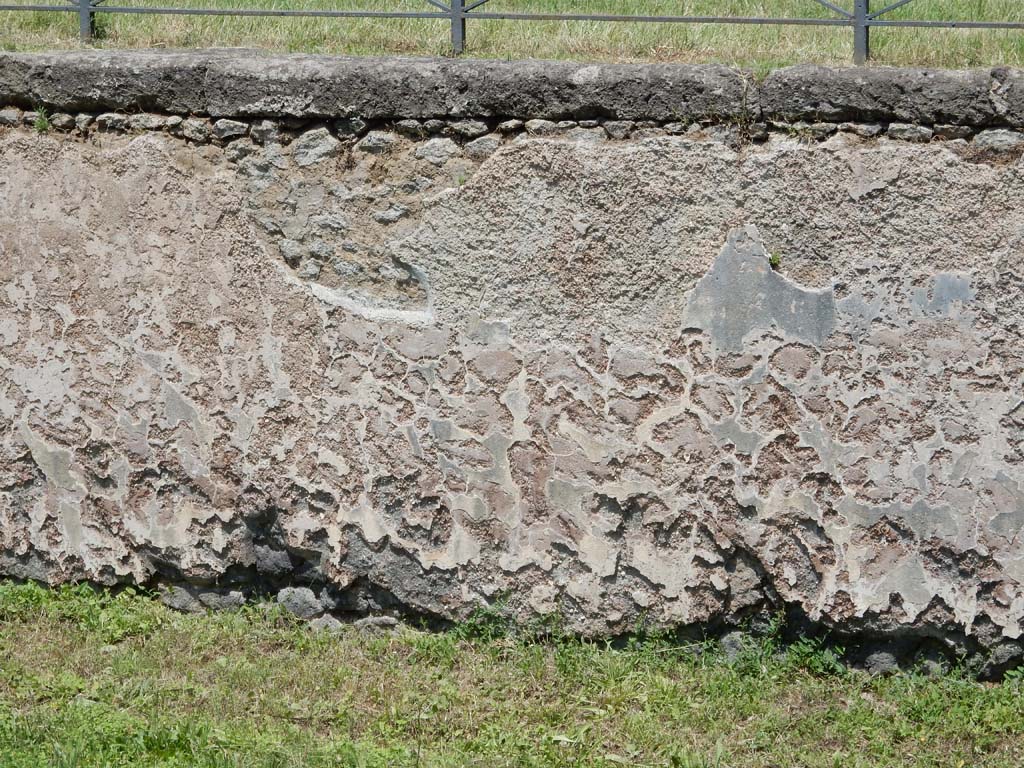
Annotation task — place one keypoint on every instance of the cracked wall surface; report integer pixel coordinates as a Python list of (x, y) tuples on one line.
[(422, 374)]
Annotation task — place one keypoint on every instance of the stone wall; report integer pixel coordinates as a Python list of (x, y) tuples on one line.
[(621, 345)]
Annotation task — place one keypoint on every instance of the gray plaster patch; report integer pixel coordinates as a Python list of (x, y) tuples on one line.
[(945, 290), (741, 293)]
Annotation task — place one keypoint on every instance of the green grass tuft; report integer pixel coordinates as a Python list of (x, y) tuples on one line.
[(94, 679), (42, 121), (109, 616)]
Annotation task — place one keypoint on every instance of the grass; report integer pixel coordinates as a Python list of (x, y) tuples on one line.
[(42, 122), (92, 679), (758, 46)]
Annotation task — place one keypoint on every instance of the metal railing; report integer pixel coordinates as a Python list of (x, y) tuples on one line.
[(861, 19)]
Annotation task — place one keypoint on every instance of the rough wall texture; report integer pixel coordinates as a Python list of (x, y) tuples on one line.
[(233, 83), (421, 373)]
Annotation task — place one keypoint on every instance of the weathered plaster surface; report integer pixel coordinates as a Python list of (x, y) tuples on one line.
[(564, 375)]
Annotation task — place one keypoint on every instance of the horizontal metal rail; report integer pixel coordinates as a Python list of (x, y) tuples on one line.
[(457, 12), (233, 12)]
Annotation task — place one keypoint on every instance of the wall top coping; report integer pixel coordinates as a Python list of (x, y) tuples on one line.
[(248, 83)]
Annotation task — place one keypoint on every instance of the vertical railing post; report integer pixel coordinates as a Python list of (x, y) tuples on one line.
[(861, 32), (458, 26), (86, 26)]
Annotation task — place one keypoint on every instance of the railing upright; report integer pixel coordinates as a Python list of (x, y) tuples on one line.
[(458, 26), (86, 20), (861, 31)]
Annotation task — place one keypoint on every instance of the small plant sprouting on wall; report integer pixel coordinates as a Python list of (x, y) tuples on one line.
[(42, 121), (774, 261)]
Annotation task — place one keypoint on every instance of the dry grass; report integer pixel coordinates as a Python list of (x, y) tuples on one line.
[(761, 46)]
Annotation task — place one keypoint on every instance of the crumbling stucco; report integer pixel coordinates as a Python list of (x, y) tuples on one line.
[(563, 375)]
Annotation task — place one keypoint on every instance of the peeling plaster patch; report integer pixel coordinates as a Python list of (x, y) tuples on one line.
[(923, 519), (8, 331), (741, 293), (1010, 522), (946, 290), (48, 382), (178, 409), (54, 462), (867, 181), (272, 359), (729, 431), (68, 488), (859, 311)]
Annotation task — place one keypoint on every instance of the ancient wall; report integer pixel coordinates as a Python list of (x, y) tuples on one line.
[(623, 345)]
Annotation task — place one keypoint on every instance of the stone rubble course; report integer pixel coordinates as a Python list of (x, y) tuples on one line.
[(999, 139), (229, 129), (234, 83), (315, 146)]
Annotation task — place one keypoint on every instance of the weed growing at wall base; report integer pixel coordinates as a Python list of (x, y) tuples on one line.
[(42, 122), (89, 679)]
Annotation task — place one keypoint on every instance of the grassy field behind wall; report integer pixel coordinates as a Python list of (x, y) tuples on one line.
[(93, 680), (760, 47)]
